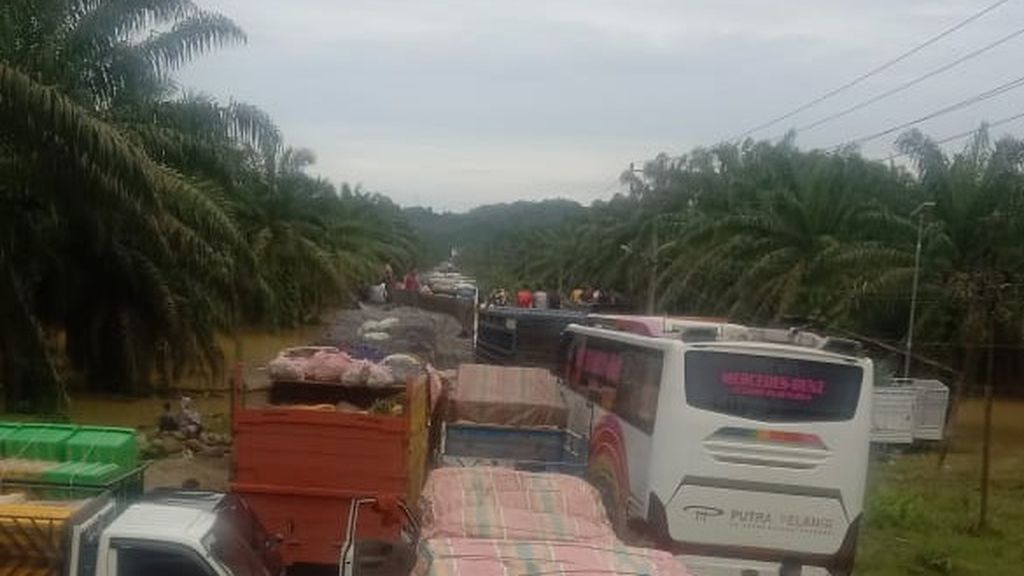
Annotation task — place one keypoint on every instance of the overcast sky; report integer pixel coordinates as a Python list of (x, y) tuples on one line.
[(453, 104)]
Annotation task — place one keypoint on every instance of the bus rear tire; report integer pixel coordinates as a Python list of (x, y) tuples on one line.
[(612, 503)]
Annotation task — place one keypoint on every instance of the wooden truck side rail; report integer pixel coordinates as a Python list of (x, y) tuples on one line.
[(41, 538)]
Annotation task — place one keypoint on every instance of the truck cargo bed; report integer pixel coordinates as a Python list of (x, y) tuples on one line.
[(299, 469)]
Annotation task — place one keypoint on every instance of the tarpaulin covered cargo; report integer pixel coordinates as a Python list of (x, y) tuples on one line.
[(456, 488), (451, 557), (506, 396)]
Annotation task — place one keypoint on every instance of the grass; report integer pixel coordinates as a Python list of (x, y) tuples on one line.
[(921, 520)]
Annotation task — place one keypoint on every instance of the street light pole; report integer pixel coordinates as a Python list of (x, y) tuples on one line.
[(919, 211), (652, 283)]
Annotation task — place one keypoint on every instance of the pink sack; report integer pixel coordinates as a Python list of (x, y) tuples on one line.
[(356, 373), (291, 364), (326, 366), (378, 376)]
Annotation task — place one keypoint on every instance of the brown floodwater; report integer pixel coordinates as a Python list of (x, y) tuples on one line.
[(212, 399), (259, 346)]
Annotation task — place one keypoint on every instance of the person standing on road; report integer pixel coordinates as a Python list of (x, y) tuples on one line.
[(576, 296), (540, 299), (189, 421), (524, 298)]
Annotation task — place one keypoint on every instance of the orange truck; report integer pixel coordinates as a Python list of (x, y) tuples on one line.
[(301, 468)]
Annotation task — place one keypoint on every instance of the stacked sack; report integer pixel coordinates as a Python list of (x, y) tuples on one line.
[(329, 365)]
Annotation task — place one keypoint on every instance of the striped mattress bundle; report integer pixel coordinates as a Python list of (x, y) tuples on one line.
[(499, 521)]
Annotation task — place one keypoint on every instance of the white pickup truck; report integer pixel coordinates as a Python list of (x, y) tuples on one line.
[(180, 533)]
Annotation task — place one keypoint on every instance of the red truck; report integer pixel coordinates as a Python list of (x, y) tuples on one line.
[(302, 468)]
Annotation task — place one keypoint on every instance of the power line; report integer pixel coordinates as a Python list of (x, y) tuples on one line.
[(913, 82), (611, 185), (960, 135), (992, 93), (874, 71)]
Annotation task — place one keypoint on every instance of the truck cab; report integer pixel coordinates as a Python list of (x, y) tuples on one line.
[(170, 533), (163, 539)]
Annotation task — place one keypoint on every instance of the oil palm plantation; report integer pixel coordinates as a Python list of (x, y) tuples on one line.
[(126, 240), (125, 256), (972, 258)]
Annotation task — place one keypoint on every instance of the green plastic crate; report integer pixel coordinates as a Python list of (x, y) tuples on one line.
[(106, 445), (39, 441), (6, 429), (82, 474)]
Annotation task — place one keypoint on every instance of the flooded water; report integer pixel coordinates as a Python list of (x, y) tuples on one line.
[(257, 347)]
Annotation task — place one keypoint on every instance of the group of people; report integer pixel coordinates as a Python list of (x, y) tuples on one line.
[(187, 420), (381, 291), (410, 282), (588, 295), (526, 297), (537, 297)]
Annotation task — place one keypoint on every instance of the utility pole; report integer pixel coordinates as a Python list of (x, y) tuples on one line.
[(919, 211), (652, 282), (986, 443)]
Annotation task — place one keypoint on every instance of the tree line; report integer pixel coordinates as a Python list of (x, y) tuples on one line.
[(138, 220), (766, 233)]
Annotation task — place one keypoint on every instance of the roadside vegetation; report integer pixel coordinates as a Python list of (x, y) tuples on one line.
[(920, 517), (144, 226), (765, 233), (139, 220)]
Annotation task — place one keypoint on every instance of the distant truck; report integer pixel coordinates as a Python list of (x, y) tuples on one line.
[(523, 336), (46, 530)]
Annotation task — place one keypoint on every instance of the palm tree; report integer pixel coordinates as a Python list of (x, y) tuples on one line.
[(786, 238), (138, 221), (974, 267), (126, 256)]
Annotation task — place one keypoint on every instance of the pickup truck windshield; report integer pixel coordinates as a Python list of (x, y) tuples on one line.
[(232, 551)]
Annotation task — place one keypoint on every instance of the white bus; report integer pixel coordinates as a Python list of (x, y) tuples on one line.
[(744, 450)]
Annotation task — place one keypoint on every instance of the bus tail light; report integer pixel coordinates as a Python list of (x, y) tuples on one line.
[(801, 439)]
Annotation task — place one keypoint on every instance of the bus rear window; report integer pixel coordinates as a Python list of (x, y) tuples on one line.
[(771, 389)]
